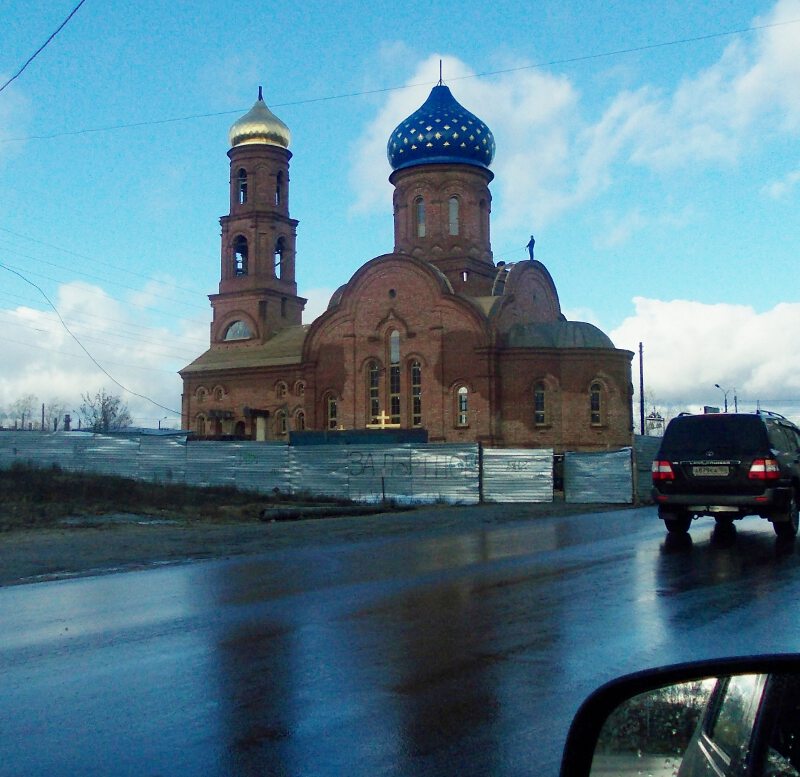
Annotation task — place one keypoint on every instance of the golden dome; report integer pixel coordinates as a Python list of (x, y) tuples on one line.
[(259, 125)]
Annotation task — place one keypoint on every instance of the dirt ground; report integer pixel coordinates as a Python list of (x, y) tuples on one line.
[(115, 541)]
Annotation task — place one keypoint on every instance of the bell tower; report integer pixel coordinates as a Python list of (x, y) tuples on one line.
[(257, 289)]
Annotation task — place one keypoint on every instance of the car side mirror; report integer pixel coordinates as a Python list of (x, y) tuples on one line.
[(729, 716)]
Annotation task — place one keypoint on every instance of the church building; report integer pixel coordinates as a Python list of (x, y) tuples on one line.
[(433, 336)]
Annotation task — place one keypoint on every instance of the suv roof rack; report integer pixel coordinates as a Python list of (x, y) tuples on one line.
[(771, 413)]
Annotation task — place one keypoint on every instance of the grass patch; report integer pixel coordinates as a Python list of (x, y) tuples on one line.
[(39, 497)]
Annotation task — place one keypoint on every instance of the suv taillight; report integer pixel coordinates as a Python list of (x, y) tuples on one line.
[(764, 469), (662, 470)]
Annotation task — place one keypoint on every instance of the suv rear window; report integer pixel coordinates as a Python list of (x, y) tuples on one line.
[(726, 435)]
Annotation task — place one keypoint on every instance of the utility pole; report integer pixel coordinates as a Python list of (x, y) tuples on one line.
[(641, 388)]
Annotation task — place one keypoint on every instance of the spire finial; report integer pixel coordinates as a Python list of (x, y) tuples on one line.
[(260, 93), (440, 72)]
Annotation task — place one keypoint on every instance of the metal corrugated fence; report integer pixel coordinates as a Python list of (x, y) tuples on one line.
[(645, 450), (511, 475), (598, 477), (406, 473)]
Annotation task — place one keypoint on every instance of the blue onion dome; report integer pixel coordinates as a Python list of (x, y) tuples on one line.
[(259, 125), (440, 131)]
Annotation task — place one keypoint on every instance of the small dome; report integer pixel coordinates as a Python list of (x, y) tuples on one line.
[(440, 131), (557, 334), (259, 125)]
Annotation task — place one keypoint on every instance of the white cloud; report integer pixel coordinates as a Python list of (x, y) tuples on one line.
[(782, 188), (317, 304), (41, 358), (689, 346), (552, 157)]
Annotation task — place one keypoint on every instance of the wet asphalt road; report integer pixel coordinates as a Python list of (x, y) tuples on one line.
[(464, 652)]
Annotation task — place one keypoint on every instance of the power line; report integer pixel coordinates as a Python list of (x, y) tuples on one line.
[(100, 278), (134, 328), (121, 301), (83, 348), (92, 259), (163, 349), (41, 48), (383, 90), (127, 365)]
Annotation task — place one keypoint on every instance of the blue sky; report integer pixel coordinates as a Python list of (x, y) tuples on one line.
[(662, 184)]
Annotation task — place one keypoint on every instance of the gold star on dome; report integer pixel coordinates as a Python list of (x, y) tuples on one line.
[(438, 135)]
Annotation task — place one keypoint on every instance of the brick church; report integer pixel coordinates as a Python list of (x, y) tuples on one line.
[(433, 336)]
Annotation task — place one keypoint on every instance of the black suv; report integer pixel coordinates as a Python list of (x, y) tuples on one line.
[(728, 465)]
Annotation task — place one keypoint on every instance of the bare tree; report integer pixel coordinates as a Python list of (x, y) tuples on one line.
[(104, 412), (22, 409), (54, 412)]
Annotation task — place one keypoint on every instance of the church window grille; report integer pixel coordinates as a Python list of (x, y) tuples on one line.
[(416, 394), (394, 376), (540, 404), (374, 390), (240, 255), (300, 388), (462, 406), (280, 247), (331, 412), (596, 404), (452, 209), (300, 421), (200, 425), (419, 211), (280, 389), (280, 423), (242, 186)]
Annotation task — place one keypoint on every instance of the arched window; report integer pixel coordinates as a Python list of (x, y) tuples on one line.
[(238, 330), (416, 393), (300, 388), (279, 187), (300, 421), (331, 412), (202, 395), (280, 389), (374, 391), (452, 210), (280, 246), (419, 216), (200, 425), (280, 423), (240, 255), (540, 404), (596, 403), (241, 181), (394, 377), (462, 406)]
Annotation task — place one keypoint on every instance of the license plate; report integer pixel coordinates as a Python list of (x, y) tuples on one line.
[(708, 471)]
